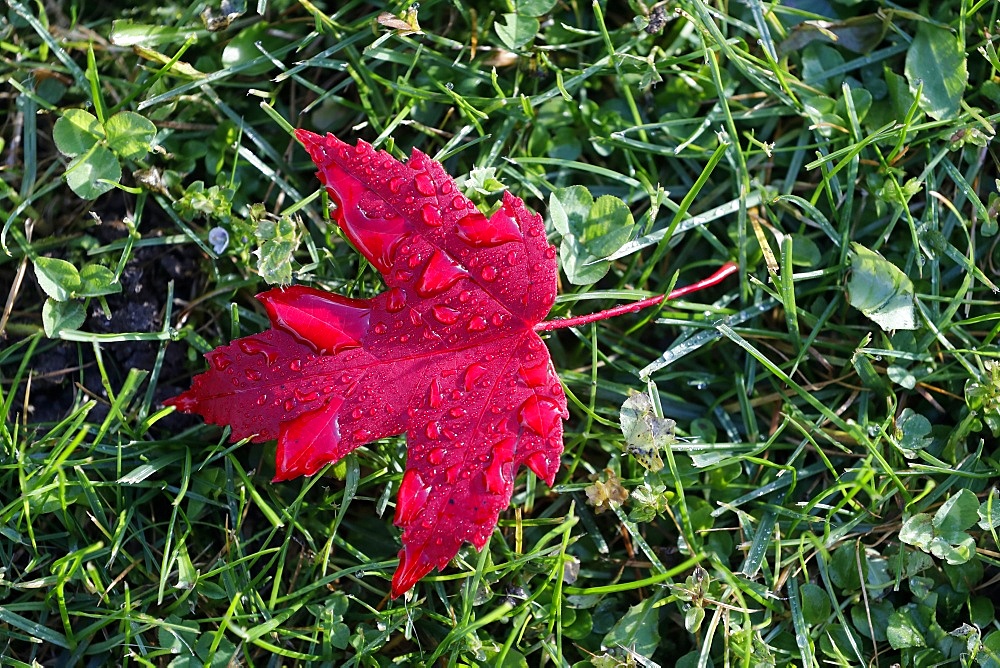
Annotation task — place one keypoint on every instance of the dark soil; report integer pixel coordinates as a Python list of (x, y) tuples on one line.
[(62, 370)]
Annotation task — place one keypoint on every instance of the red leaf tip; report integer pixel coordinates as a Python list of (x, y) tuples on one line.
[(411, 568)]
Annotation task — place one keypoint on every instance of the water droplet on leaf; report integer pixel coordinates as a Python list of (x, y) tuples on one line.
[(424, 184), (445, 315)]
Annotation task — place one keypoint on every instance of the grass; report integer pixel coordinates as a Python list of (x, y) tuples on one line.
[(831, 497)]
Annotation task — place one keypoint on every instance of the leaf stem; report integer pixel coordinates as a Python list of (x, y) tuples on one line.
[(720, 275)]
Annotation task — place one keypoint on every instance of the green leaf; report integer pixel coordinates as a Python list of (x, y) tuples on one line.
[(903, 632), (58, 316), (805, 252), (533, 7), (880, 290), (97, 280), (817, 60), (187, 574), (591, 231), (515, 31), (58, 278), (645, 433), (815, 603), (243, 48), (918, 531), (859, 34), (639, 629), (177, 635), (955, 548), (989, 656), (936, 59), (220, 657), (989, 511), (94, 173), (278, 239), (900, 95), (844, 567), (958, 513), (124, 32), (912, 430), (861, 100), (130, 134), (76, 132), (693, 618)]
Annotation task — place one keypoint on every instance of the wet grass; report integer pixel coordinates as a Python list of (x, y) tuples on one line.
[(830, 494)]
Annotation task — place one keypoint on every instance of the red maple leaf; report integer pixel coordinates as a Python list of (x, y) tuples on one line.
[(449, 354)]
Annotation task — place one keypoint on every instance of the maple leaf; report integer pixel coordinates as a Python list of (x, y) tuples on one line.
[(448, 354)]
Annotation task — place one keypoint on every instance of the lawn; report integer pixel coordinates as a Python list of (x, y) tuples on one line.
[(796, 466)]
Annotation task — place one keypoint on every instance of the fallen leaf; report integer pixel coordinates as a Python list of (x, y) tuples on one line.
[(448, 354)]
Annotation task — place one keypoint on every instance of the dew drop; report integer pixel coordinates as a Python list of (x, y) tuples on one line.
[(357, 413), (372, 208), (380, 328), (414, 261), (480, 231), (361, 435), (295, 365), (496, 319), (440, 274), (512, 258), (220, 361), (535, 375), (395, 300), (252, 374), (540, 415), (452, 473), (433, 431), (473, 374), (458, 202), (464, 296), (306, 395), (253, 346), (497, 476), (457, 412), (424, 184), (434, 394), (489, 273), (261, 400), (445, 315), (477, 324), (403, 338), (446, 187), (435, 456), (402, 276), (396, 183), (415, 318), (540, 464), (290, 405), (431, 215), (412, 496), (550, 252)]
